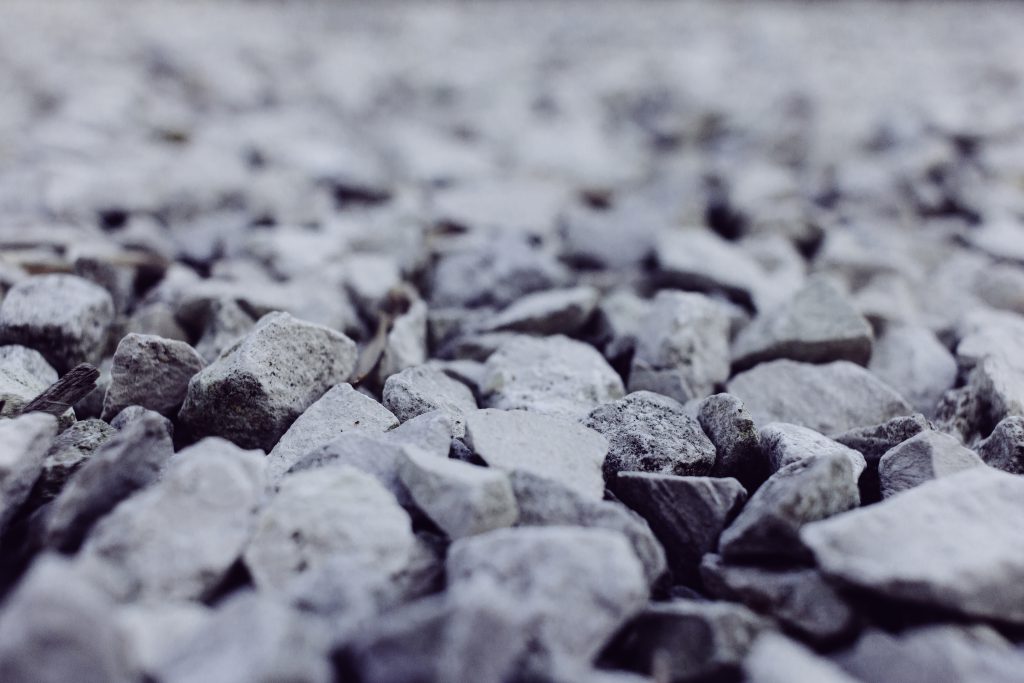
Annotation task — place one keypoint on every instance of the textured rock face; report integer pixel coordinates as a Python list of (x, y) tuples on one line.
[(1004, 448), (68, 452), (921, 458), (24, 374), (151, 372), (783, 444), (254, 391), (423, 389), (737, 442)]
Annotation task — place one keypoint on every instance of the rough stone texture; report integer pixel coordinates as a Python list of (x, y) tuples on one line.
[(316, 514), (341, 409), (926, 456), (68, 452), (462, 499), (800, 599), (682, 347), (254, 391), (128, 461), (806, 491), (687, 514), (783, 444), (24, 442), (224, 324), (24, 374), (543, 502), (873, 442), (954, 542), (914, 362), (57, 627), (576, 586), (423, 389), (151, 372), (777, 659), (728, 425), (1004, 448), (552, 375), (64, 317), (178, 538), (830, 398), (818, 325), (556, 311), (648, 432)]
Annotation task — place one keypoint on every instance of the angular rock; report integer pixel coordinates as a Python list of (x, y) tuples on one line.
[(64, 317), (777, 659), (783, 444), (552, 375), (874, 442), (223, 323), (24, 442), (178, 539), (800, 599), (700, 259), (737, 442), (617, 324), (551, 447), (256, 389), (128, 461), (914, 362), (687, 514), (648, 432), (151, 372), (803, 492), (68, 452), (926, 456), (819, 324), (682, 347), (830, 398), (1004, 447), (320, 513), (341, 409), (24, 375), (423, 389), (955, 542), (462, 499), (554, 311)]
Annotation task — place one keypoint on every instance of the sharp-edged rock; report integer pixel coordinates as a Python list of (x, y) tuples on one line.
[(151, 372), (926, 456), (729, 426)]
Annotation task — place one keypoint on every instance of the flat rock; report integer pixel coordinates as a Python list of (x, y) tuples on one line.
[(687, 514), (1004, 447), (69, 451), (954, 542), (576, 586), (731, 429), (777, 659), (341, 409), (819, 324), (25, 441), (151, 372), (783, 444), (830, 398), (551, 375), (926, 456), (63, 317), (554, 311), (682, 347), (648, 432), (256, 389), (551, 447), (805, 491), (914, 362), (423, 389), (462, 499), (700, 259), (873, 442)]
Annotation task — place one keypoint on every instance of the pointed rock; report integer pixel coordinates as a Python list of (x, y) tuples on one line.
[(921, 458), (737, 442), (1004, 447), (151, 372), (784, 444)]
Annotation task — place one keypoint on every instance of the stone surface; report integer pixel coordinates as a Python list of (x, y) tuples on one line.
[(687, 514), (953, 542), (64, 317), (830, 398), (151, 372), (873, 442), (406, 342), (682, 347), (926, 456), (805, 491), (423, 389), (1004, 447), (914, 362), (777, 659), (700, 259), (68, 452), (648, 432), (554, 311), (154, 630), (783, 444), (728, 425), (256, 389), (25, 441), (24, 374), (551, 447)]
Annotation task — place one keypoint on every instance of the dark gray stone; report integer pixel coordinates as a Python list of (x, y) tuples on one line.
[(873, 442), (1004, 447), (68, 452), (783, 444), (729, 426), (151, 372), (926, 456)]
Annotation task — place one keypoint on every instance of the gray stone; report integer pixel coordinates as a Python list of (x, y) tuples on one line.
[(700, 259), (151, 372), (256, 389), (406, 342), (819, 324), (737, 442), (617, 321), (554, 311), (800, 599), (783, 444), (830, 398), (551, 447), (69, 451), (687, 514), (873, 442), (341, 409), (926, 456), (914, 362), (955, 542), (223, 323), (25, 441), (64, 317), (777, 659), (24, 374), (552, 375), (462, 499), (133, 414), (154, 630), (805, 491), (576, 586), (128, 461), (543, 502), (1004, 447), (989, 351), (157, 319), (423, 389), (682, 347), (320, 513), (57, 627), (178, 539), (648, 432)]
